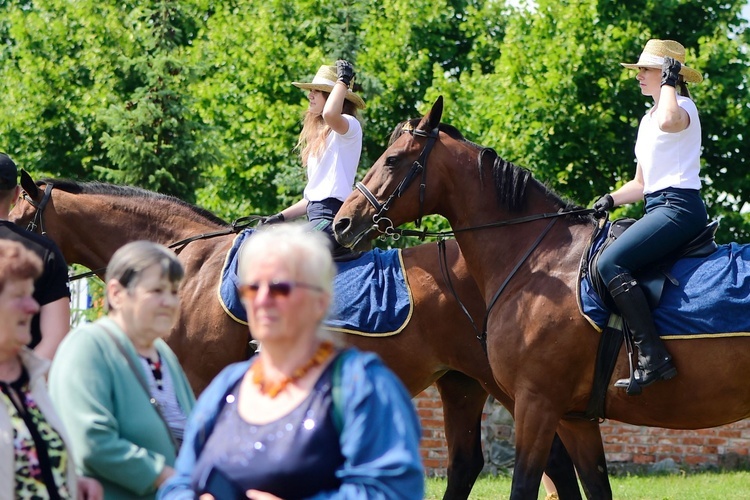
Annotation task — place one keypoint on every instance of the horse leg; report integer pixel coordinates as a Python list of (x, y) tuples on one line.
[(535, 432), (583, 439), (562, 472), (463, 402)]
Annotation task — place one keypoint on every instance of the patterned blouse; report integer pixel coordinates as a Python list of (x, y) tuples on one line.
[(40, 456)]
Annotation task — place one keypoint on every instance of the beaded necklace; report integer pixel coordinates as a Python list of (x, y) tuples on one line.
[(272, 389), (155, 370)]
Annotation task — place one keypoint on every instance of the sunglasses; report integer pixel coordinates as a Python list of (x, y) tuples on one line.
[(276, 289)]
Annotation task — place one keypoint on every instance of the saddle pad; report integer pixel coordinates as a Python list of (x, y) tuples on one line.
[(712, 298), (371, 296)]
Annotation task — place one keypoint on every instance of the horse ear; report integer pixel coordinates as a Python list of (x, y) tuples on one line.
[(28, 185), (432, 119)]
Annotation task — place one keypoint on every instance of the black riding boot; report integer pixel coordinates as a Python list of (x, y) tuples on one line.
[(654, 362)]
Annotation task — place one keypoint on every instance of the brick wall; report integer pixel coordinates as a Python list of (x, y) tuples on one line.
[(727, 446)]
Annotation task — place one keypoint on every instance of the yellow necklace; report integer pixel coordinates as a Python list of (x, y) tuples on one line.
[(272, 389)]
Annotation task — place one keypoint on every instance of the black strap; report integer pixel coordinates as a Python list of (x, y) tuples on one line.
[(137, 372), (443, 259), (483, 337)]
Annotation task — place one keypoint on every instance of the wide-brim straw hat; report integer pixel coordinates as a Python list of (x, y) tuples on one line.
[(655, 52), (324, 81)]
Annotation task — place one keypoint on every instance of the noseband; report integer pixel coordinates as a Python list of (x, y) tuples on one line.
[(420, 165), (38, 220)]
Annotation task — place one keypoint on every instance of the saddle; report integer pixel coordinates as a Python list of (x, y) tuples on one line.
[(652, 278)]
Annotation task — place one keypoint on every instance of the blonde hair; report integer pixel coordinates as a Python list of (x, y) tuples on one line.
[(312, 139)]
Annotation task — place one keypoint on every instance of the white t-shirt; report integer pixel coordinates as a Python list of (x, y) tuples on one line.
[(332, 175), (670, 159)]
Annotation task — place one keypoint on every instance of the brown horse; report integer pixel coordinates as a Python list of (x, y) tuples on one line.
[(525, 259), (89, 221)]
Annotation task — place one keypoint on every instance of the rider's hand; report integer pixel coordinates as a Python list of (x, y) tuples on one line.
[(272, 219), (670, 71), (344, 72), (603, 205)]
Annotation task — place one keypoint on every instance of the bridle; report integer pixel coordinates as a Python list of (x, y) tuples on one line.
[(419, 166), (38, 219)]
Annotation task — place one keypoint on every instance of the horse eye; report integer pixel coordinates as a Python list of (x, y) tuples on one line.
[(390, 161)]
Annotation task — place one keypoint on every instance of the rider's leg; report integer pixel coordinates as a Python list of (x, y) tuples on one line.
[(654, 360), (320, 215), (672, 219)]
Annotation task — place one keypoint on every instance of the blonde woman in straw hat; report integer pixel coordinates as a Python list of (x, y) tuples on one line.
[(668, 151), (330, 145)]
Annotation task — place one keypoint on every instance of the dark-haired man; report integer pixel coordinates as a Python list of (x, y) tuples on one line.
[(50, 325)]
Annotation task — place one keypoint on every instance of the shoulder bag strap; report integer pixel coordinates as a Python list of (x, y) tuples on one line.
[(137, 372)]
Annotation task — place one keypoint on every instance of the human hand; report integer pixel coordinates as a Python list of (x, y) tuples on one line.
[(89, 489), (344, 72), (670, 71), (272, 219), (603, 205), (165, 474)]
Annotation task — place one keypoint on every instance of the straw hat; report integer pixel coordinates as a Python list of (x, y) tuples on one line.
[(324, 81), (655, 52)]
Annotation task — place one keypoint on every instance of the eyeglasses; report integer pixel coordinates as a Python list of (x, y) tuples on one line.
[(276, 289)]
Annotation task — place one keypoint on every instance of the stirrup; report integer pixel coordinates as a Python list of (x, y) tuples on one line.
[(629, 384)]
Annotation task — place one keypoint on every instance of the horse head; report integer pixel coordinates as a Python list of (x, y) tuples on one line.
[(400, 172), (33, 200)]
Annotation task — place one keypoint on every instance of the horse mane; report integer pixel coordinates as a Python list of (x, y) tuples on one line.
[(510, 180), (103, 188)]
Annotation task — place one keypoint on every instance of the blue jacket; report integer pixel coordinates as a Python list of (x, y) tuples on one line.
[(379, 438)]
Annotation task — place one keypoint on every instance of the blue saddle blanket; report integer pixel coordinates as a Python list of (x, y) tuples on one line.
[(370, 294), (713, 296)]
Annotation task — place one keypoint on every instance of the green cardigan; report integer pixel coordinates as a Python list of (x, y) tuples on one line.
[(116, 435)]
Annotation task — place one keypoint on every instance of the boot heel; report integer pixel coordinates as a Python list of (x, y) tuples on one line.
[(667, 372)]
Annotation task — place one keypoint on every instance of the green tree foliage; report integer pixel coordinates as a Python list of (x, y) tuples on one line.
[(153, 136), (194, 98), (559, 103)]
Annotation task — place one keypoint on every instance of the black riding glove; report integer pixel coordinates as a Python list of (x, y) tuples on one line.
[(272, 219), (670, 71), (603, 205), (344, 72)]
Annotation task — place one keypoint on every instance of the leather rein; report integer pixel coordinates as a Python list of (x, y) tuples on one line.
[(420, 166), (38, 222)]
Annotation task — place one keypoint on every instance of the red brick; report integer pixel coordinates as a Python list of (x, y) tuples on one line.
[(698, 441), (433, 443), (430, 423)]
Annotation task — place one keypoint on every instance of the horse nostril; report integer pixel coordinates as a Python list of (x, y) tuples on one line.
[(342, 225)]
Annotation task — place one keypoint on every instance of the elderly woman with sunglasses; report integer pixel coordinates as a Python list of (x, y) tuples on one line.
[(118, 387), (303, 418)]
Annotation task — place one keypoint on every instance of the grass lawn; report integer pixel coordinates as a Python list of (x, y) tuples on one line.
[(705, 486)]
